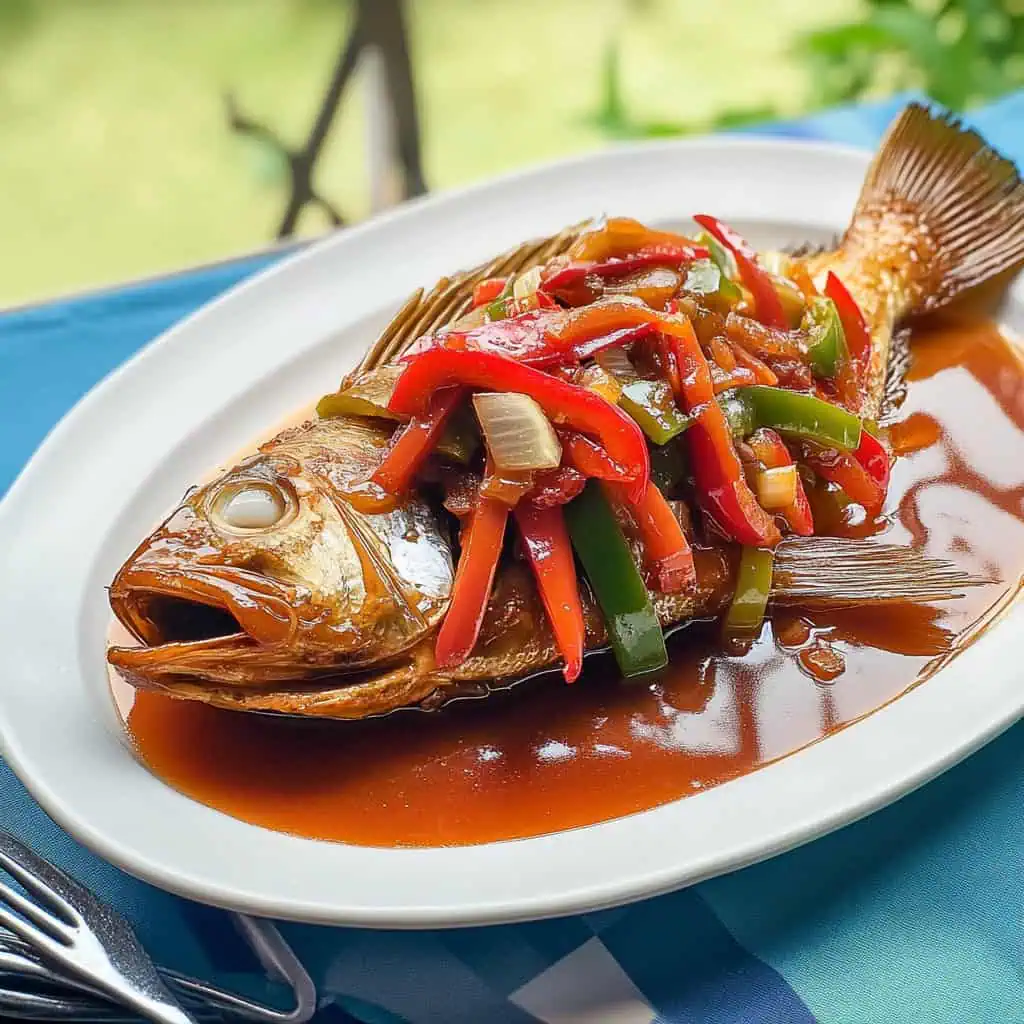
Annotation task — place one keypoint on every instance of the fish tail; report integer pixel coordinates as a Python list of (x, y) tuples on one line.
[(940, 211)]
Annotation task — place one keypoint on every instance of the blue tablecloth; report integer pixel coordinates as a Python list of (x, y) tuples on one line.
[(915, 915)]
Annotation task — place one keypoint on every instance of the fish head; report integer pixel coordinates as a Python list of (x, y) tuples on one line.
[(273, 572)]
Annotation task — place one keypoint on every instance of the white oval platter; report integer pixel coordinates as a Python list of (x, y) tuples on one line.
[(227, 374)]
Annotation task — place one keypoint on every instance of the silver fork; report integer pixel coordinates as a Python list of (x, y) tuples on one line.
[(76, 947)]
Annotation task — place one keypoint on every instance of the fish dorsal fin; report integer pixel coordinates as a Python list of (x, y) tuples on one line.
[(951, 196), (426, 312)]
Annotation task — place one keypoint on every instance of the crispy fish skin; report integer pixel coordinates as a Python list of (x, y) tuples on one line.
[(336, 610)]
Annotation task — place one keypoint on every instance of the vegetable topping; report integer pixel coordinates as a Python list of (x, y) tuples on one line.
[(620, 389)]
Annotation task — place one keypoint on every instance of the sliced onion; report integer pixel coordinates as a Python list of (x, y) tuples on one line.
[(526, 284), (518, 434), (776, 488), (476, 317), (776, 262)]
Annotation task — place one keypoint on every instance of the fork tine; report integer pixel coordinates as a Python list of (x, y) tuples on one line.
[(14, 962), (33, 913), (21, 1005), (38, 876), (25, 965), (32, 934)]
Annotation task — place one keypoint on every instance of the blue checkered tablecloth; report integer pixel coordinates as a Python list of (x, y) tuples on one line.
[(912, 916)]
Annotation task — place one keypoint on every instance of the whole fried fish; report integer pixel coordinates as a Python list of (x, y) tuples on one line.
[(304, 601)]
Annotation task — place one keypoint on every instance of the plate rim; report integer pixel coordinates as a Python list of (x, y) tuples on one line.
[(426, 916)]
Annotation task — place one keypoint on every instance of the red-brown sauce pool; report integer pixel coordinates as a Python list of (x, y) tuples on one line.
[(546, 756)]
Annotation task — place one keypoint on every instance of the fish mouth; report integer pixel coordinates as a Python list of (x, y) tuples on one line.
[(162, 617), (179, 615), (178, 632), (226, 636)]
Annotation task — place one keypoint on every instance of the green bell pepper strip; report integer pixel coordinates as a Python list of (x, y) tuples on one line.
[(738, 413), (633, 627), (498, 309), (790, 412), (753, 586), (827, 349), (653, 406), (368, 395), (721, 256)]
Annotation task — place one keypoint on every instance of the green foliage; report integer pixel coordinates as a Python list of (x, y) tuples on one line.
[(958, 52)]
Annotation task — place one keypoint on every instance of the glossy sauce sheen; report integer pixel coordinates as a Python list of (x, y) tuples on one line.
[(546, 756)]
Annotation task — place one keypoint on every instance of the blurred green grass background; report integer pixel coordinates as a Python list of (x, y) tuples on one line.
[(117, 161)]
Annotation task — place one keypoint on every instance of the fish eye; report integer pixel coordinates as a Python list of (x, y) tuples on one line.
[(249, 507)]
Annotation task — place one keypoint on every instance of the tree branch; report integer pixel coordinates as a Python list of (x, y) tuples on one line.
[(301, 190)]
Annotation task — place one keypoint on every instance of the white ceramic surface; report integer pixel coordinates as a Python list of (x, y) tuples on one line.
[(124, 456)]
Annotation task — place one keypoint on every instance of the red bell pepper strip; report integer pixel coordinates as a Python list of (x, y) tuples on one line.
[(874, 458), (843, 469), (414, 442), (570, 276), (530, 338), (767, 304), (552, 337), (588, 457), (488, 290), (563, 403), (549, 550), (722, 488), (481, 548), (773, 453), (665, 544), (523, 337), (535, 300), (858, 338), (763, 373)]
